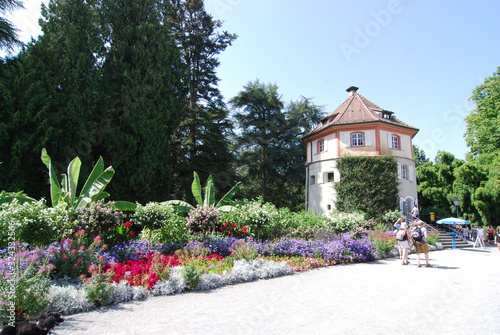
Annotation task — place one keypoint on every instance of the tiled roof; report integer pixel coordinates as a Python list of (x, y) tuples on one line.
[(358, 109)]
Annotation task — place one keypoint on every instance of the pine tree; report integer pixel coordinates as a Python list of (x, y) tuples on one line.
[(201, 142)]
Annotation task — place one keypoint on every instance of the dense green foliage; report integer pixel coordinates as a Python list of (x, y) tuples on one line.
[(267, 143), (368, 184)]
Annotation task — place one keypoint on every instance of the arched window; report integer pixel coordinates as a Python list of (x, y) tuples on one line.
[(357, 140), (321, 145), (395, 142)]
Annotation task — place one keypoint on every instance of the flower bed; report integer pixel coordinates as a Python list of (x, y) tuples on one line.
[(81, 277)]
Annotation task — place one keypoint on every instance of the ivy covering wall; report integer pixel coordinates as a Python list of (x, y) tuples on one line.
[(367, 184)]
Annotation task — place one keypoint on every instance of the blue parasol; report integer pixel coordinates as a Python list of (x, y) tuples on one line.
[(452, 221)]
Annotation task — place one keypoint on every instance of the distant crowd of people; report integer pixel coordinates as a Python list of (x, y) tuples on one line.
[(477, 235)]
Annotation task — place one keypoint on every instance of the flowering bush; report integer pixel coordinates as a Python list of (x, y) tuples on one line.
[(382, 241), (244, 249), (203, 220), (34, 222), (343, 222), (24, 283), (100, 218), (261, 218), (72, 257)]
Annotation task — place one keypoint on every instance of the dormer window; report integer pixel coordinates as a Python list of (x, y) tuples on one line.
[(386, 116)]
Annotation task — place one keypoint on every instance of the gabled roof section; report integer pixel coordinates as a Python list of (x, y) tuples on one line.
[(358, 109)]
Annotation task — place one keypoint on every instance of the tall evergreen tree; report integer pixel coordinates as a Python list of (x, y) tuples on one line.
[(201, 143), (53, 93), (143, 88), (260, 141)]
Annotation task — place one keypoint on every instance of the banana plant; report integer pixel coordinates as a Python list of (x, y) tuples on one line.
[(209, 197), (92, 190)]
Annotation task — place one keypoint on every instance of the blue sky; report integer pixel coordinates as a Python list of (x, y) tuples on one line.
[(419, 59)]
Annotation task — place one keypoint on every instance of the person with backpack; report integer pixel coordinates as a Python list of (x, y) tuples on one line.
[(397, 225), (403, 237), (419, 235)]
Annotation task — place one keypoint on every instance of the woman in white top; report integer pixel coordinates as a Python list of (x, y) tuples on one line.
[(480, 237)]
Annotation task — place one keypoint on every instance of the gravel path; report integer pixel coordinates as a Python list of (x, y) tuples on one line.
[(459, 295)]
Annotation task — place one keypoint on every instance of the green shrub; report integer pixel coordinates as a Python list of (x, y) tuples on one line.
[(98, 290), (160, 223), (192, 275), (306, 224), (433, 238), (34, 222)]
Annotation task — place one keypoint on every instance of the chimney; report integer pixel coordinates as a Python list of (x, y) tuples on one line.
[(351, 90)]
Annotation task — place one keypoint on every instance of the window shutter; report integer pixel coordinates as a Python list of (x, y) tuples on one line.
[(325, 145), (346, 139), (368, 138), (320, 178), (411, 173), (389, 140), (401, 146), (336, 176), (399, 171)]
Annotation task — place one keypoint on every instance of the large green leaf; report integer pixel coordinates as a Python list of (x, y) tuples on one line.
[(125, 206), (209, 193), (96, 187), (72, 179), (55, 187), (179, 205), (228, 196), (196, 189), (96, 172)]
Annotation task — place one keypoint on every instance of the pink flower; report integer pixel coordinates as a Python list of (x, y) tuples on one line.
[(104, 246), (64, 257), (80, 232), (97, 239), (82, 247), (79, 260), (73, 251)]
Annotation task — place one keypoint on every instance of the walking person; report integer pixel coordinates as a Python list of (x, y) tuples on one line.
[(403, 238), (491, 235), (480, 237), (415, 212), (419, 235), (397, 225)]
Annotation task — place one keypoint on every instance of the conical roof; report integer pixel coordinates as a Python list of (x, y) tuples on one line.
[(358, 109)]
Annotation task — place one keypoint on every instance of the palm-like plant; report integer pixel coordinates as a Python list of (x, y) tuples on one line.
[(92, 191), (208, 199)]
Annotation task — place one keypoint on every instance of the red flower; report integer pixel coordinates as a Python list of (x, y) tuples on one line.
[(132, 234), (127, 224)]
